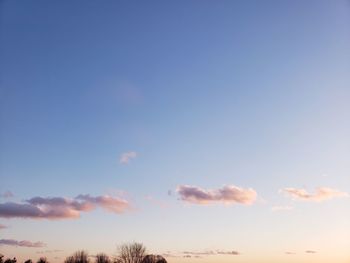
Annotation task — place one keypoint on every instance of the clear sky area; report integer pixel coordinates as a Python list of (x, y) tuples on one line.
[(210, 131)]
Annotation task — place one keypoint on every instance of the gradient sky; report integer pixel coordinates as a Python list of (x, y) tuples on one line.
[(220, 126)]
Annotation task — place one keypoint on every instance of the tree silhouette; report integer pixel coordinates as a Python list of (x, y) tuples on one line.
[(131, 253), (154, 259), (14, 260), (69, 259), (78, 257), (42, 260), (127, 253), (102, 258)]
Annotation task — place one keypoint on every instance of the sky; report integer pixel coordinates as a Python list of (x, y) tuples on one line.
[(210, 131)]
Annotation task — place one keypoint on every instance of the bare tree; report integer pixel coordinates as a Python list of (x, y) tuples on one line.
[(78, 257), (69, 259), (131, 253), (102, 258), (14, 260), (1, 258)]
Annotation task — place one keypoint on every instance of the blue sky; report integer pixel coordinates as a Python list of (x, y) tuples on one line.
[(206, 94)]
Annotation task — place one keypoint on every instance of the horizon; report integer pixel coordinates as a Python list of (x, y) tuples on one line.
[(209, 131)]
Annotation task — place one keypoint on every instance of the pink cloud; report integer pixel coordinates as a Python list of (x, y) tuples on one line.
[(321, 194), (109, 203), (61, 208), (23, 243), (229, 194), (126, 157), (10, 209), (3, 226)]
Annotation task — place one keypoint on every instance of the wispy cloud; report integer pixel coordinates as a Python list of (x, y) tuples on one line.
[(228, 194), (211, 253), (200, 253), (169, 255), (321, 194), (282, 208), (109, 203), (310, 251), (289, 253), (232, 253), (3, 226), (126, 157), (23, 243), (49, 251), (60, 207)]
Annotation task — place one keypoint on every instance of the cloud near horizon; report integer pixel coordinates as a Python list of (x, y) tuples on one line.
[(200, 254), (3, 226), (49, 251), (310, 251), (126, 157), (232, 253), (169, 255), (289, 253), (228, 194), (61, 208), (23, 243), (321, 194)]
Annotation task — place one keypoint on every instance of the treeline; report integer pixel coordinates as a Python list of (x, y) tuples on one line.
[(127, 253)]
